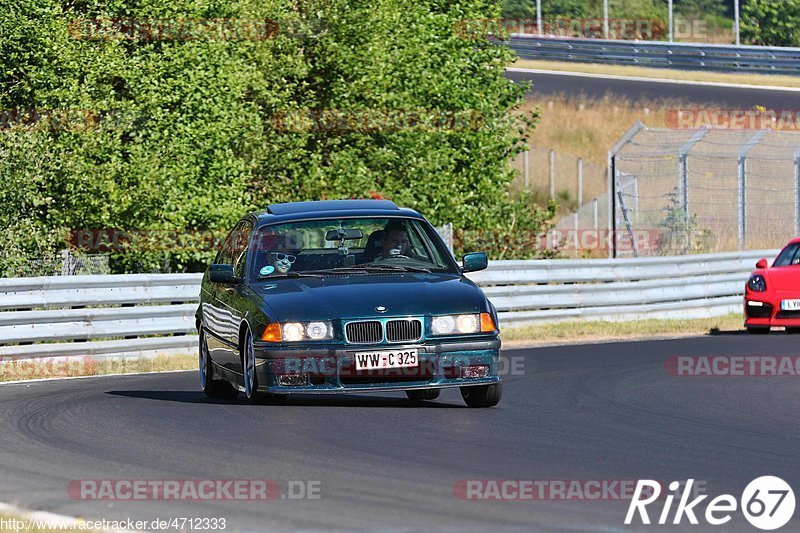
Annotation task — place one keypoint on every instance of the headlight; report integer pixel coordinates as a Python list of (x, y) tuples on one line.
[(757, 283), (298, 331), (462, 324)]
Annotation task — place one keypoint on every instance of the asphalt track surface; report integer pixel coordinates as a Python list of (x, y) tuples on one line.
[(593, 412), (722, 97)]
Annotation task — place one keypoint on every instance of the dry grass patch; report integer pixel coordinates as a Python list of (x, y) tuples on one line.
[(43, 368), (604, 330)]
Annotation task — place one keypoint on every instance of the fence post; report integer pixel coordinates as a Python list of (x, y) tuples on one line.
[(683, 170), (595, 216), (797, 193), (539, 17), (742, 186), (552, 173), (612, 183), (580, 183), (527, 170)]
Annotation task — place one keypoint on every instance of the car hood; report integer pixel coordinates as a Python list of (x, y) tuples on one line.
[(786, 278), (329, 298)]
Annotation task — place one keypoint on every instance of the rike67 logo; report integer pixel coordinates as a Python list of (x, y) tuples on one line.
[(767, 503)]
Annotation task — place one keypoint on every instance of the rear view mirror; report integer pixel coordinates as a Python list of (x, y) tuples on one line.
[(344, 234), (475, 261), (222, 274), (762, 263)]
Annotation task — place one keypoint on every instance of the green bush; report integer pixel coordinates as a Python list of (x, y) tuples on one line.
[(771, 22), (186, 135)]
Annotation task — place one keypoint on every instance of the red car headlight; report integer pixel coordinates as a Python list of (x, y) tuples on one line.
[(757, 283)]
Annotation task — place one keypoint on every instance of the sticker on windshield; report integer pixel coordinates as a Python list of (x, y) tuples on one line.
[(267, 270)]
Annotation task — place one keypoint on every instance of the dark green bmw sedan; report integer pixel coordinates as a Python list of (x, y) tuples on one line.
[(344, 296)]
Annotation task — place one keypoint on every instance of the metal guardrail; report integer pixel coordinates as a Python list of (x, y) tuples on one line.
[(763, 59), (138, 314)]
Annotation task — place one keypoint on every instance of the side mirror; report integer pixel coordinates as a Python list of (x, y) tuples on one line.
[(762, 263), (474, 262), (222, 274)]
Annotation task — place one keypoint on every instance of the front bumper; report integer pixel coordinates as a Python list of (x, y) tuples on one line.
[(764, 309), (331, 369)]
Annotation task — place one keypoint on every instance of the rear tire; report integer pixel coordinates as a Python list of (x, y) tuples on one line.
[(482, 395), (423, 395), (213, 388), (753, 330)]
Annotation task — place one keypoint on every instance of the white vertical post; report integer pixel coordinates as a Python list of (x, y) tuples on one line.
[(552, 173), (742, 186), (580, 183), (527, 170), (575, 227), (671, 31), (736, 21), (539, 17), (596, 216), (605, 19)]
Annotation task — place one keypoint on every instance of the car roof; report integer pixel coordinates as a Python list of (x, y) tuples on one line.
[(793, 241), (332, 209)]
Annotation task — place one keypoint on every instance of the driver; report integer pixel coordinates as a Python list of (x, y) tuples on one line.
[(395, 241)]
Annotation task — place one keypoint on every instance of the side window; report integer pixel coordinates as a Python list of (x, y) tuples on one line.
[(225, 254), (240, 248)]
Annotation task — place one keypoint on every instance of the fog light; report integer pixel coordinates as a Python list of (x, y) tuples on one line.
[(475, 371), (292, 380)]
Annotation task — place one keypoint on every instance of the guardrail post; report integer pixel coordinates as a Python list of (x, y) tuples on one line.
[(742, 186), (596, 218), (605, 19), (552, 173), (580, 183), (736, 21), (797, 193)]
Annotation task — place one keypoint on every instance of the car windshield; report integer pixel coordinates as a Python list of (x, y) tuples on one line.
[(348, 245), (789, 256)]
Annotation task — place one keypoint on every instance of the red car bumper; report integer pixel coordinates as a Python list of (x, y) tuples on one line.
[(764, 309)]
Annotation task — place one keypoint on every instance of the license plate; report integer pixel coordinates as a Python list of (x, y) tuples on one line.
[(790, 305), (386, 359)]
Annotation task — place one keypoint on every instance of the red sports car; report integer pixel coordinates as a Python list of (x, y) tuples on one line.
[(772, 294)]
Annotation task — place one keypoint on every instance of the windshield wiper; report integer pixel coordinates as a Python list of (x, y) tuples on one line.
[(289, 275), (396, 268)]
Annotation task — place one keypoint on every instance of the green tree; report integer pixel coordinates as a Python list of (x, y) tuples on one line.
[(771, 22)]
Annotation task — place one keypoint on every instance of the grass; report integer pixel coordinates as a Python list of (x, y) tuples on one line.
[(768, 80), (604, 330), (86, 366)]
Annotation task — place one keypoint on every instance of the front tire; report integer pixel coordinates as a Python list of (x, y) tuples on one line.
[(250, 375), (754, 330), (213, 388), (423, 395), (482, 395), (792, 330)]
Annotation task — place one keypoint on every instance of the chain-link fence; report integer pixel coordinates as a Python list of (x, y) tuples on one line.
[(705, 190)]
